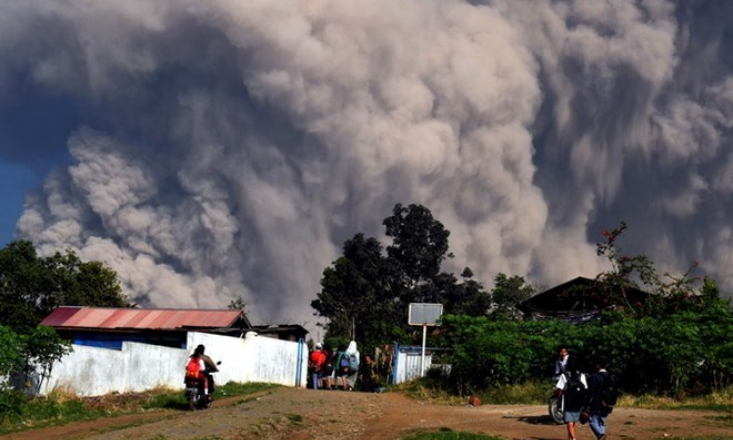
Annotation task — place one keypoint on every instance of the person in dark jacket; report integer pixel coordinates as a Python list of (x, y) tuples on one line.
[(599, 411), (367, 375), (574, 390)]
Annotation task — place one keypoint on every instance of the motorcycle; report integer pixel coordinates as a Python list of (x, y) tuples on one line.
[(555, 407), (556, 404), (194, 393)]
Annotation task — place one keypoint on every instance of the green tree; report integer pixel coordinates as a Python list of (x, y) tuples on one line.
[(365, 294), (83, 283), (356, 296), (12, 358), (467, 297), (41, 349), (31, 287), (507, 293), (24, 287), (420, 242)]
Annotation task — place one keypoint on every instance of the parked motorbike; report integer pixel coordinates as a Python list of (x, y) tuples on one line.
[(194, 392), (555, 407), (556, 404)]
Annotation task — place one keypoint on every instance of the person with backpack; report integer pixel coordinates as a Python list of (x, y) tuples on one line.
[(317, 358), (574, 388), (327, 370), (341, 370), (353, 357), (603, 396), (200, 366)]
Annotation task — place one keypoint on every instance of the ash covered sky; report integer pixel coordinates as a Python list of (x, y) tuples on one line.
[(211, 150)]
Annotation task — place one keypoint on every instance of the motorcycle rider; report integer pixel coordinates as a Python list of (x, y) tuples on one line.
[(209, 367)]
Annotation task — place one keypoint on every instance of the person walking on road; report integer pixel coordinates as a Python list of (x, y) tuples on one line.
[(574, 392), (317, 358), (600, 382)]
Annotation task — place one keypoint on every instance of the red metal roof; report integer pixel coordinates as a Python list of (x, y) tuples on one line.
[(151, 319)]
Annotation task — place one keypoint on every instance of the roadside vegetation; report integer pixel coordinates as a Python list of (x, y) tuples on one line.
[(60, 407), (447, 434), (663, 335), (431, 389)]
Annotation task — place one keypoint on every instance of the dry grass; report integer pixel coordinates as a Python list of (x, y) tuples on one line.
[(720, 399), (116, 402)]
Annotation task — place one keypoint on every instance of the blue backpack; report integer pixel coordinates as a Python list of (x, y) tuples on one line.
[(344, 361), (353, 362)]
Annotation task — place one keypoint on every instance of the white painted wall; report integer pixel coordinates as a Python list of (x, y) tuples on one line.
[(93, 371)]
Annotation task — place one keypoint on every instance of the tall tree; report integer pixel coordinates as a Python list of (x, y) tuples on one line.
[(366, 293), (356, 296), (80, 283), (468, 298), (31, 286), (24, 287), (420, 242)]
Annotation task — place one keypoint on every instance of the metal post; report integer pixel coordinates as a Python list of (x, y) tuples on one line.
[(422, 358)]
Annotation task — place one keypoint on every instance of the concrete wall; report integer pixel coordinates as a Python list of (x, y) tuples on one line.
[(92, 371)]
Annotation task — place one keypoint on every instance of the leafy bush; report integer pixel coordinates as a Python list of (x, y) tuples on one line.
[(12, 403), (12, 357), (681, 354)]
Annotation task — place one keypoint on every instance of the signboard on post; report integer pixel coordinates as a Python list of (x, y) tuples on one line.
[(424, 314)]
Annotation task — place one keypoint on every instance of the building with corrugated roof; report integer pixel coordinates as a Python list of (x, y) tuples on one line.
[(109, 327)]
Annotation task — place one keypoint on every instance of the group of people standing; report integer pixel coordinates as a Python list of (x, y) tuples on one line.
[(583, 397), (334, 370)]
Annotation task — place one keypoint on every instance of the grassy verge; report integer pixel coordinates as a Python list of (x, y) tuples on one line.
[(538, 394), (19, 413), (524, 394), (721, 401), (447, 434)]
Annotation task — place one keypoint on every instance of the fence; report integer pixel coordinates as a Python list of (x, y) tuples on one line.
[(92, 371), (407, 362)]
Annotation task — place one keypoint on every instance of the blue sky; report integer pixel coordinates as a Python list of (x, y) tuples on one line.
[(16, 181), (34, 128)]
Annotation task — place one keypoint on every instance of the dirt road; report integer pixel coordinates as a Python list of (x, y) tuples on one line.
[(296, 414)]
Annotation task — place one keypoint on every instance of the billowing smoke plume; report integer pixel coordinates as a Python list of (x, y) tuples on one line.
[(228, 148)]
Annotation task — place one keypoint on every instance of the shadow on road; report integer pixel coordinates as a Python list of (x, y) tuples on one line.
[(537, 420)]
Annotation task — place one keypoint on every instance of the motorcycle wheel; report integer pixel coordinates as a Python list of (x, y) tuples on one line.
[(193, 400), (554, 407)]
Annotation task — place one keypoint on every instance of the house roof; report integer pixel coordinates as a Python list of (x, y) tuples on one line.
[(143, 319), (579, 296), (282, 331)]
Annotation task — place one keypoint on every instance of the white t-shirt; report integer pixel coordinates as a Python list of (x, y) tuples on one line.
[(560, 385)]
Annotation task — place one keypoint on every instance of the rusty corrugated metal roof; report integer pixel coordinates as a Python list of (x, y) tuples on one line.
[(151, 319)]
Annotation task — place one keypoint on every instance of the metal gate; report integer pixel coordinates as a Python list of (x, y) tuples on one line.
[(407, 360)]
